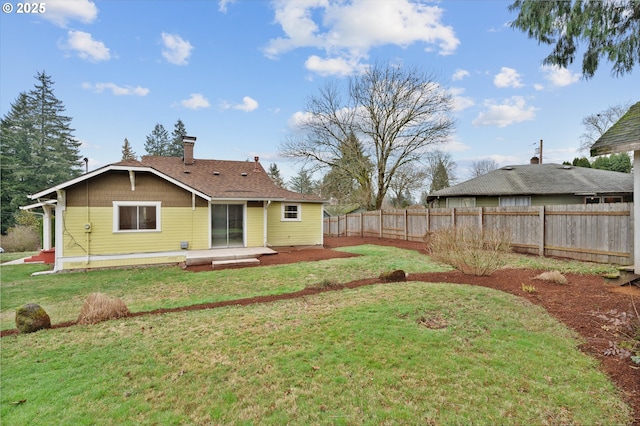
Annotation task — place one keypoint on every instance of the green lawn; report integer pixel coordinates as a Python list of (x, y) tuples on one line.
[(406, 353)]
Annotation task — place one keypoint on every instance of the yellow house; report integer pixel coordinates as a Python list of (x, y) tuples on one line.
[(158, 209)]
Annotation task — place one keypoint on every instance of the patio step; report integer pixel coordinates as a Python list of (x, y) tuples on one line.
[(235, 261)]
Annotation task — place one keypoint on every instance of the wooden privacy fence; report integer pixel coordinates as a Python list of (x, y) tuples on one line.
[(590, 232)]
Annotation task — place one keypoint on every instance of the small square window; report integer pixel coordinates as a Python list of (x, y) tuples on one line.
[(291, 212)]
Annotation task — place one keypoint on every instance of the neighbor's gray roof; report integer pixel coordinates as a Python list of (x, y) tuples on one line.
[(541, 179), (623, 136)]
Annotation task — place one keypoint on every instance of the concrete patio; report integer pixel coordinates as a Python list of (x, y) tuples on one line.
[(227, 256)]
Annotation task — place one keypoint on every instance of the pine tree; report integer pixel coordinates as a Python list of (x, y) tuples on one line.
[(175, 148), (157, 141), (127, 151), (38, 149), (440, 177), (55, 150), (274, 174), (303, 183)]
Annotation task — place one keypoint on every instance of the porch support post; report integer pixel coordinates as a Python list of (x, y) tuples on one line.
[(636, 211), (46, 228)]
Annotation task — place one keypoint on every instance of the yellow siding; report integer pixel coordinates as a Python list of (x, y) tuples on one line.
[(308, 231), (177, 224), (255, 227)]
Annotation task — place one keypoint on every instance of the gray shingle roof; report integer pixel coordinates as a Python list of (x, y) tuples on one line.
[(541, 179), (623, 136)]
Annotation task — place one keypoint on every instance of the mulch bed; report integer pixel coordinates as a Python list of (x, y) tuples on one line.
[(586, 304)]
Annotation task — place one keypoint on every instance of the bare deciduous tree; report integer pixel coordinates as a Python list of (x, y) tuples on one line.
[(395, 112), (596, 124), (482, 167)]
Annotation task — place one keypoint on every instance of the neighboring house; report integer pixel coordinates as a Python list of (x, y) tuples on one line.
[(537, 184), (624, 136), (153, 210)]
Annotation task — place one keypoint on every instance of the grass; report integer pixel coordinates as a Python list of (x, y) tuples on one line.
[(347, 357), (145, 289), (363, 356)]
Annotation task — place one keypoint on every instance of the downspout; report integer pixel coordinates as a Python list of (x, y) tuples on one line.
[(87, 226), (264, 232)]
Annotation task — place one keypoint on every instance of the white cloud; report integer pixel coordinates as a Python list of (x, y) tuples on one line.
[(176, 49), (222, 5), (86, 47), (195, 101), (248, 104), (560, 77), (332, 66), (507, 77), (460, 74), (460, 102), (538, 87), (117, 90), (60, 12), (347, 31), (512, 110)]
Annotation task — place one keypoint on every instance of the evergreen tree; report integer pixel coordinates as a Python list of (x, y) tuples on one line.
[(440, 178), (157, 143), (350, 179), (127, 151), (607, 29), (581, 162), (274, 173), (303, 183), (38, 149), (176, 148), (615, 162)]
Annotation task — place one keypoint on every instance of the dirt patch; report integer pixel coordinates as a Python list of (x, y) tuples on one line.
[(586, 304)]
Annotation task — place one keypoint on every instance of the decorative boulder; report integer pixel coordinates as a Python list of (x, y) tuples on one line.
[(32, 317), (393, 276)]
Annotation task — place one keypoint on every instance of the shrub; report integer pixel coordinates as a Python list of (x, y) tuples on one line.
[(100, 307), (471, 250), (552, 276), (325, 284), (21, 238)]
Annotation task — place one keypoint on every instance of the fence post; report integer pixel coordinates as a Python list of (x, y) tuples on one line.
[(380, 223), (542, 232), (406, 225), (428, 222)]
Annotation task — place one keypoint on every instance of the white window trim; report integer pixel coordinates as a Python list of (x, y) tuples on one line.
[(516, 198), (299, 215), (116, 215)]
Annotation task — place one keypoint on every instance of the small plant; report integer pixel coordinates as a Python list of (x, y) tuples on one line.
[(99, 307), (552, 276), (471, 250), (326, 284), (529, 288)]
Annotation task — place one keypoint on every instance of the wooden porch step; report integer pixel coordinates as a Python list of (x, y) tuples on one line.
[(227, 262)]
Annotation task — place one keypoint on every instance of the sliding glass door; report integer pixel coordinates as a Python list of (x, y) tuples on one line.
[(227, 225)]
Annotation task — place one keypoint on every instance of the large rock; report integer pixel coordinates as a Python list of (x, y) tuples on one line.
[(32, 317)]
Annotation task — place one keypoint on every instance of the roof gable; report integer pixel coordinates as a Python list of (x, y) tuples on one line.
[(541, 179), (623, 136)]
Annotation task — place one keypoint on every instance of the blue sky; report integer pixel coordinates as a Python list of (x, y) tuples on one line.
[(237, 72)]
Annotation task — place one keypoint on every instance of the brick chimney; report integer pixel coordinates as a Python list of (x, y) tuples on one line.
[(188, 142), (256, 167), (535, 160)]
